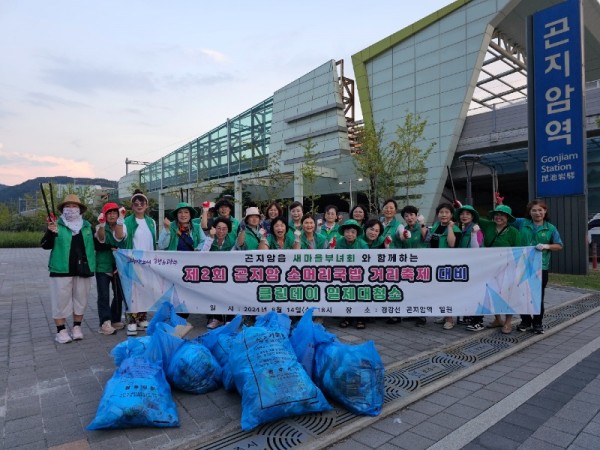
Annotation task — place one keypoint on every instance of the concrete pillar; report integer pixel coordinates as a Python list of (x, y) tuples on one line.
[(237, 193), (298, 184)]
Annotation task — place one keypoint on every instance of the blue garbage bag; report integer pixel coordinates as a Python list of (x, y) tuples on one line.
[(273, 320), (137, 395), (163, 344), (194, 369), (133, 346), (165, 313), (270, 379), (353, 375), (220, 341), (304, 339)]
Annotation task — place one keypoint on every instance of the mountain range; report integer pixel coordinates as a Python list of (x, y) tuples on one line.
[(11, 194)]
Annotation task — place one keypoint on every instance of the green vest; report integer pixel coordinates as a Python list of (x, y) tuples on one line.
[(105, 260), (288, 243), (414, 241), (508, 238), (251, 240), (131, 225), (543, 235), (444, 237), (59, 256), (358, 244), (228, 244), (174, 238), (319, 241), (335, 230)]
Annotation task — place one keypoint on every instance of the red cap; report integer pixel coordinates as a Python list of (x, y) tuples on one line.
[(109, 207)]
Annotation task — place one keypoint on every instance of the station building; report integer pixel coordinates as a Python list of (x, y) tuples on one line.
[(462, 68)]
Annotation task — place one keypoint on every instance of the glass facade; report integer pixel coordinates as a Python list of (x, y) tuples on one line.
[(240, 145)]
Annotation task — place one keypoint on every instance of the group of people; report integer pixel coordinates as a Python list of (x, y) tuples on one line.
[(80, 252)]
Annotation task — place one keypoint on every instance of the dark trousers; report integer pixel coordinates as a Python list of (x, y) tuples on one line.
[(108, 310), (536, 319)]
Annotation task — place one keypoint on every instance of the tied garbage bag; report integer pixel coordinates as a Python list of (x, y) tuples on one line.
[(166, 314), (137, 395), (194, 369), (270, 379), (352, 375), (219, 341), (131, 347), (304, 339), (273, 320)]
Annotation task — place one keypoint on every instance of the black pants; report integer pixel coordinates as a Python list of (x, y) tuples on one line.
[(536, 319)]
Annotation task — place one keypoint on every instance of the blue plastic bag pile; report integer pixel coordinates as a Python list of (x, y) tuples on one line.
[(277, 374)]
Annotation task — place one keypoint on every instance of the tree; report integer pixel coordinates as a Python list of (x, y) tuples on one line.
[(401, 164), (370, 161), (309, 174), (409, 158)]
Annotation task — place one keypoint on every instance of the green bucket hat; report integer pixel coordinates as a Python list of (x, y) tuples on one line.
[(505, 209), (351, 223), (469, 208), (183, 205)]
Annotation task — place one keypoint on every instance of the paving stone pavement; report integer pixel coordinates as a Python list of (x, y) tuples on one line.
[(545, 396)]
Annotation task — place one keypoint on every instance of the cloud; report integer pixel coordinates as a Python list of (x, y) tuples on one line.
[(214, 55), (86, 79), (18, 167), (50, 101)]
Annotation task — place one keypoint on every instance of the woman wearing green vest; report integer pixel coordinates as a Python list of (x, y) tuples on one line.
[(280, 238), (445, 234), (540, 233), (498, 233), (110, 233), (309, 239), (351, 236), (248, 237), (181, 233), (141, 235), (72, 264), (331, 227)]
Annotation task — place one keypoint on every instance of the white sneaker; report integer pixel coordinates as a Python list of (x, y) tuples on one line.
[(132, 329), (77, 333), (118, 325), (143, 325), (63, 337), (107, 329)]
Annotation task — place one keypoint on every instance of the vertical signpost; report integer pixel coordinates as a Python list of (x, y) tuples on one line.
[(557, 137)]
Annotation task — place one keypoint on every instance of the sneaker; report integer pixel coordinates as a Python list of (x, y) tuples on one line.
[(132, 329), (77, 333), (420, 322), (214, 323), (63, 337), (475, 327), (143, 325), (118, 325), (107, 329), (439, 320), (523, 327), (538, 329), (448, 325)]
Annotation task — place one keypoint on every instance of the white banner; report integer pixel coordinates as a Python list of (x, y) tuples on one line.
[(338, 283)]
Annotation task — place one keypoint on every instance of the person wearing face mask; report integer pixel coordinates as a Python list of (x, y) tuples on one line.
[(141, 235), (72, 265)]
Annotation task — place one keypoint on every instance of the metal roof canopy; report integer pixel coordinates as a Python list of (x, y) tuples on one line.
[(503, 76)]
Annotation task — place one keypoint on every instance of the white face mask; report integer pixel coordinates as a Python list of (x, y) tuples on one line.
[(71, 213)]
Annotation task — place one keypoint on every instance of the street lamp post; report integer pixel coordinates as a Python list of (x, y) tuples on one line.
[(350, 191), (469, 160)]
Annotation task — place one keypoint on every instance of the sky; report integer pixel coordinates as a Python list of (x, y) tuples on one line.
[(86, 84)]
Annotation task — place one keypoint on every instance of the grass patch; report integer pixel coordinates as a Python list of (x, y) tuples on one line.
[(589, 281), (20, 239)]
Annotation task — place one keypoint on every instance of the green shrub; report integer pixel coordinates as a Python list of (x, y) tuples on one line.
[(20, 239)]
